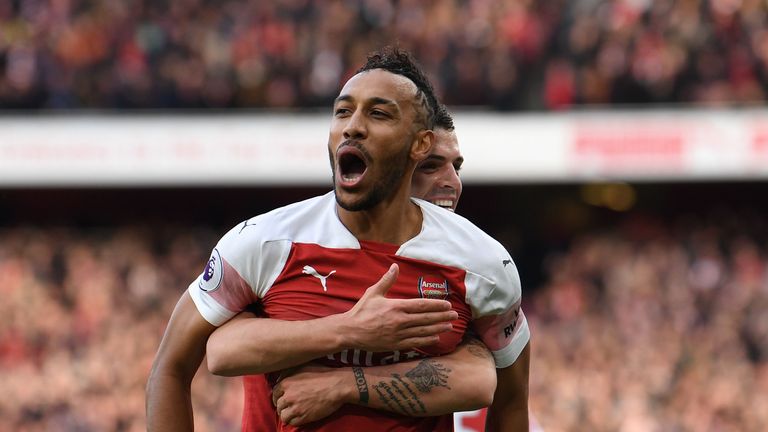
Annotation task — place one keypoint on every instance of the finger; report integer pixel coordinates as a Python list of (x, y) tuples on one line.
[(422, 305), (291, 416), (381, 287), (429, 318), (296, 421), (285, 415), (277, 393), (281, 405), (425, 331)]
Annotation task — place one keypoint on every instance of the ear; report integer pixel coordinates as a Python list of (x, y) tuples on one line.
[(422, 145)]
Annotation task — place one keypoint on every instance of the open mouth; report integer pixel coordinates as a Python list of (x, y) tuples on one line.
[(352, 166), (444, 203)]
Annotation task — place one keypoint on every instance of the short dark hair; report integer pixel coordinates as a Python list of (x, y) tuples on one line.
[(400, 62), (443, 118)]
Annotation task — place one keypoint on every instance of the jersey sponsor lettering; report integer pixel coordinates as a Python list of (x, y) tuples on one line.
[(356, 357), (510, 329)]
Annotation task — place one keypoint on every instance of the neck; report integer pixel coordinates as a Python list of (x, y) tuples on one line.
[(395, 220)]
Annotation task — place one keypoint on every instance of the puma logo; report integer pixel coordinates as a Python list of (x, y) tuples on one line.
[(505, 262), (311, 271)]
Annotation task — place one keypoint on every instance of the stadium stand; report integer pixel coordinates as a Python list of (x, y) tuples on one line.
[(506, 54)]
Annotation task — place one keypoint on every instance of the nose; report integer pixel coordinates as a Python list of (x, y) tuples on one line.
[(355, 127), (449, 179)]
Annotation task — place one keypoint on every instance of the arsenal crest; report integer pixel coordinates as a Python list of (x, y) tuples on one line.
[(433, 288)]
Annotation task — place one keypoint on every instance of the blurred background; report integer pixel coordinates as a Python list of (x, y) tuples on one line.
[(618, 149)]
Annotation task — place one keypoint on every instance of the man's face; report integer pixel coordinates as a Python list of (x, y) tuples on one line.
[(436, 178), (372, 131)]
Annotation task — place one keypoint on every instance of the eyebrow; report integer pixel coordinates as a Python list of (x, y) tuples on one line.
[(376, 100), (459, 160), (438, 157)]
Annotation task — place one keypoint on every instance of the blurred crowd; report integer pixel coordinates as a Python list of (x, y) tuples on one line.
[(650, 326), (654, 328), (83, 313), (509, 54)]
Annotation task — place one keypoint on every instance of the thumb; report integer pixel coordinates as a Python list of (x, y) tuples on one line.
[(381, 287)]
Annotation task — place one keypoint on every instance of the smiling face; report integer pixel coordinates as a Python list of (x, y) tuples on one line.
[(436, 178), (376, 136)]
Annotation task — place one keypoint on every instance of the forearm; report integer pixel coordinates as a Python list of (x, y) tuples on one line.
[(510, 419), (375, 323), (262, 345), (509, 410), (461, 381), (169, 402)]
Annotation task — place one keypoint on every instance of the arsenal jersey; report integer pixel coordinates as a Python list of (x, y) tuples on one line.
[(300, 262)]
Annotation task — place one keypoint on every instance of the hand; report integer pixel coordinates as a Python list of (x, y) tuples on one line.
[(377, 323), (310, 393)]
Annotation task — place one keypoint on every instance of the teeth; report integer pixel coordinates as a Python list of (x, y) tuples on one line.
[(447, 204), (350, 177)]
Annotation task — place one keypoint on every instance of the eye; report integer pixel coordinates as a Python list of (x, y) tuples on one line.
[(457, 164), (339, 112), (379, 113), (428, 167)]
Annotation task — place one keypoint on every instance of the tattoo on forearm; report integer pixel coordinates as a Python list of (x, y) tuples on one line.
[(478, 349), (404, 391), (429, 374), (384, 391), (398, 395), (362, 385)]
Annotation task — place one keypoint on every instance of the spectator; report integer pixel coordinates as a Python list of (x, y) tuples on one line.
[(503, 54)]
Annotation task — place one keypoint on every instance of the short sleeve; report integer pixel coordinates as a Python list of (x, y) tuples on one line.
[(241, 268), (498, 319)]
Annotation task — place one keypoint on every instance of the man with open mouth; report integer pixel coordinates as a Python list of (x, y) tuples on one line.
[(306, 266), (436, 179)]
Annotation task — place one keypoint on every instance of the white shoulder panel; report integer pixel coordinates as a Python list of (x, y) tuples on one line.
[(248, 259), (493, 284), (256, 246)]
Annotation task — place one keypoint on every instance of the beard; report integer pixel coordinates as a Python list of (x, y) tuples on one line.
[(393, 167)]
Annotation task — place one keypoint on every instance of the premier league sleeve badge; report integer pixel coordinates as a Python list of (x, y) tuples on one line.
[(213, 273)]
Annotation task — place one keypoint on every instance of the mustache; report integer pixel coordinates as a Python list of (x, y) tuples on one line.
[(356, 144)]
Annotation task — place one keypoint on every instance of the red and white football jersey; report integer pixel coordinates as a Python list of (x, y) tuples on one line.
[(300, 262)]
